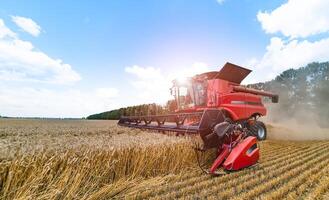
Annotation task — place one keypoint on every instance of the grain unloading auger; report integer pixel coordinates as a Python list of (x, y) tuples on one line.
[(223, 112)]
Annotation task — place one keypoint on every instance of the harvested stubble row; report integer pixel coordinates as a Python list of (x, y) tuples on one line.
[(322, 190), (196, 182), (296, 169), (268, 154)]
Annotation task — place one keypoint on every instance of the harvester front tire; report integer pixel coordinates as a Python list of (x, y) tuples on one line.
[(259, 130)]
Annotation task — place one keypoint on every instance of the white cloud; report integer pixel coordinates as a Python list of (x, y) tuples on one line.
[(107, 92), (281, 55), (152, 84), (4, 31), (220, 1), (22, 65), (20, 61), (27, 24), (297, 18), (32, 102)]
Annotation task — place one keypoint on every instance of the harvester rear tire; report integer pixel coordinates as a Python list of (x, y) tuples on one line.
[(259, 130)]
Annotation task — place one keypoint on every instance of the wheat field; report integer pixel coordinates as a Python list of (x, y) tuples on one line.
[(79, 159)]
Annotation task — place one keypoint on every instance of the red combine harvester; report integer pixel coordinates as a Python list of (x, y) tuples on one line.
[(223, 112)]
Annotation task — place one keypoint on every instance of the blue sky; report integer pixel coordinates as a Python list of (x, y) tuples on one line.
[(119, 53)]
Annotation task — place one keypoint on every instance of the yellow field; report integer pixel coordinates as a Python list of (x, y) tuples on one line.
[(58, 159)]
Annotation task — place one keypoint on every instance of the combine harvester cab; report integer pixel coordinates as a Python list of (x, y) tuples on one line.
[(206, 100)]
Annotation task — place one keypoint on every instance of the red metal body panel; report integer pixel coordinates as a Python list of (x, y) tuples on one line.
[(219, 160), (240, 105), (243, 105), (240, 157)]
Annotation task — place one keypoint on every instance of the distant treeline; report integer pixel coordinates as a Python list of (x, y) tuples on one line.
[(139, 110), (303, 95), (303, 92)]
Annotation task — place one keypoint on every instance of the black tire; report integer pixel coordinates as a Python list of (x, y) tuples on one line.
[(258, 130)]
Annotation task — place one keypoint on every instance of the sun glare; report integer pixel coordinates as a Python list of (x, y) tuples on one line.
[(182, 80)]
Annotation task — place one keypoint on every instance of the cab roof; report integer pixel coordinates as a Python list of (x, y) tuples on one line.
[(229, 72)]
